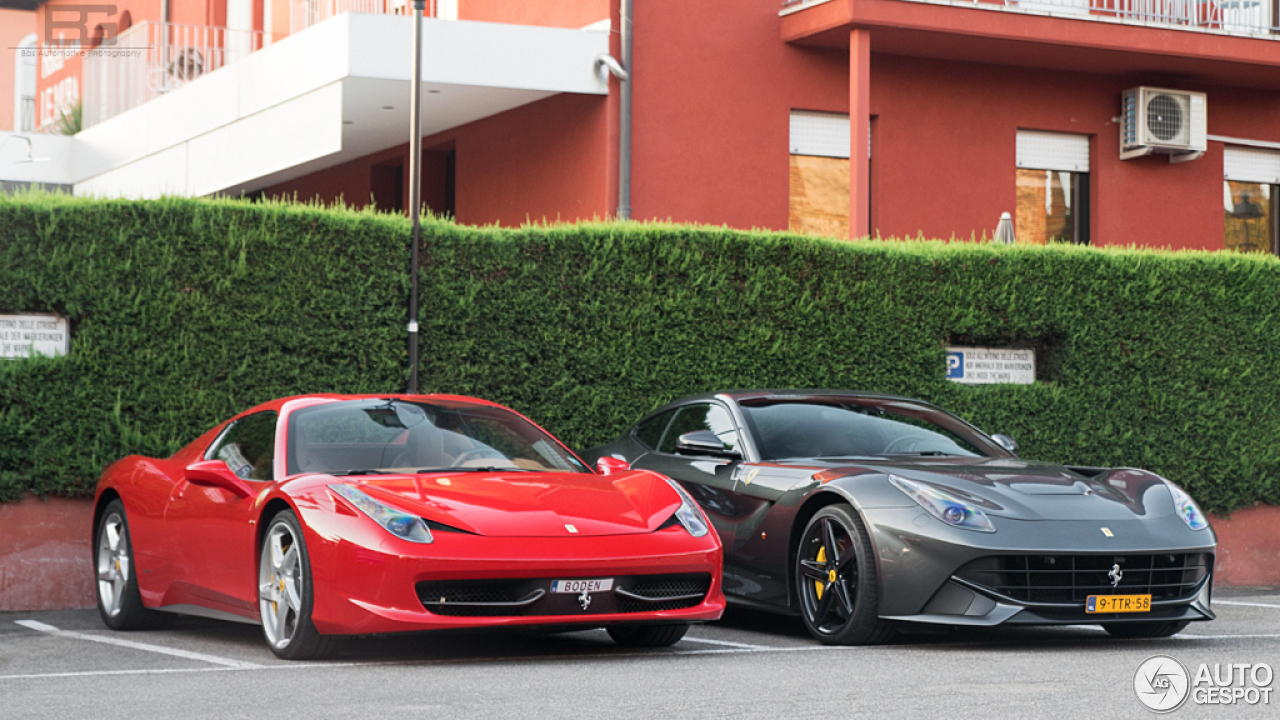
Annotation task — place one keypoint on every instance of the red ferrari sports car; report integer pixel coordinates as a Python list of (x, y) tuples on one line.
[(326, 515)]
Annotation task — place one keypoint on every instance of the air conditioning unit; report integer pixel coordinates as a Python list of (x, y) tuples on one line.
[(1156, 121)]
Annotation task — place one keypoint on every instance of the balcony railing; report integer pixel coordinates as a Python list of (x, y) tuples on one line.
[(1235, 17), (305, 13), (151, 59)]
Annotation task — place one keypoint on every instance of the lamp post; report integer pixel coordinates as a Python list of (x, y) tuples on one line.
[(415, 189)]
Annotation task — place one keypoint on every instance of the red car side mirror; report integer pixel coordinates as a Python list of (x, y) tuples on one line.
[(608, 465), (215, 473)]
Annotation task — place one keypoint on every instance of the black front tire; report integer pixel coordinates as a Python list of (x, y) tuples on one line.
[(647, 635), (836, 582), (1145, 629), (116, 577)]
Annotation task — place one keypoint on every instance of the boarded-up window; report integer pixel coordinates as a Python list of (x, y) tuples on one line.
[(819, 196)]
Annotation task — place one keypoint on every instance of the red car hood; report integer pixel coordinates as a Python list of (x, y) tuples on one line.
[(531, 504)]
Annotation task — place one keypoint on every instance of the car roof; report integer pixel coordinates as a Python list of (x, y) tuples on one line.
[(740, 395)]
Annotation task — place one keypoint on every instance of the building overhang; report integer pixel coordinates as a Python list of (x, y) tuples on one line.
[(319, 98), (1002, 34)]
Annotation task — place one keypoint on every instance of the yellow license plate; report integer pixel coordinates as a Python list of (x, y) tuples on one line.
[(1117, 604)]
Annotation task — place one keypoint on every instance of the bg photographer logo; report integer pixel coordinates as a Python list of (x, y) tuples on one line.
[(1162, 684), (59, 20)]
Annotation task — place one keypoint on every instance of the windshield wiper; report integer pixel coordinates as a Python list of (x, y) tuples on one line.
[(363, 472), (485, 468), (926, 453)]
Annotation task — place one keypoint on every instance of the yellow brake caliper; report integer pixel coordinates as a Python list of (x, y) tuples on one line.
[(822, 558)]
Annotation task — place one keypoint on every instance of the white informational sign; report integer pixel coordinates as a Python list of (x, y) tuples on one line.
[(985, 366), (23, 335)]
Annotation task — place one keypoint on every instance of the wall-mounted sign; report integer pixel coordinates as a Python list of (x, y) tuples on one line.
[(985, 366), (24, 335)]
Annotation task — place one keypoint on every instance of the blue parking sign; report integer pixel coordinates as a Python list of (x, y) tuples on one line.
[(955, 365)]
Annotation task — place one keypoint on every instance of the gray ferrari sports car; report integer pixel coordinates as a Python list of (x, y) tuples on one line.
[(864, 513)]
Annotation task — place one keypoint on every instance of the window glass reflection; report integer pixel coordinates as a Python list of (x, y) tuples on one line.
[(1249, 222), (1047, 207)]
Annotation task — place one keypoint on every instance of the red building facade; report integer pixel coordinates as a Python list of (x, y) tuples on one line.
[(965, 111)]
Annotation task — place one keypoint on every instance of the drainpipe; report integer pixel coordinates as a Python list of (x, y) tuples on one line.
[(624, 116), (619, 71), (164, 45)]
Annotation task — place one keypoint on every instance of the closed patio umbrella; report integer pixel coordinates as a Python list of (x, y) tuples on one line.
[(1004, 229)]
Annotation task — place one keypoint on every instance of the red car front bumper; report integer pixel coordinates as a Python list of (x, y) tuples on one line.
[(366, 581)]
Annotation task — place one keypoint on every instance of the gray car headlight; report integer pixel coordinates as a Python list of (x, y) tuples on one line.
[(1187, 508), (689, 514), (397, 522), (944, 506)]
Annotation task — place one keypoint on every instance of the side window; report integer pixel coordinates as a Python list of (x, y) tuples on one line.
[(649, 432), (701, 417), (248, 446)]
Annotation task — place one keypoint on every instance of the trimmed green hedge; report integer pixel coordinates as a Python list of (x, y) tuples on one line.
[(186, 311)]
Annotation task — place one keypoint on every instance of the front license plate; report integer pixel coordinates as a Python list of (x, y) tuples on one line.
[(578, 586), (1117, 604)]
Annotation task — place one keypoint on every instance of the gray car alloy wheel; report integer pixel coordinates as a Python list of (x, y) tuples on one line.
[(114, 562), (836, 580), (280, 584)]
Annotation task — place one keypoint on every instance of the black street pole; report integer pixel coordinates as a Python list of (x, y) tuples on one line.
[(415, 188)]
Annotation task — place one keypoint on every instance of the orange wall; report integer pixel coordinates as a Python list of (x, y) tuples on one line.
[(550, 13), (711, 133), (542, 161), (14, 26)]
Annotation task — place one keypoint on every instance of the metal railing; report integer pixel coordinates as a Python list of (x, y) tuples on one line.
[(151, 59), (1234, 17), (305, 13)]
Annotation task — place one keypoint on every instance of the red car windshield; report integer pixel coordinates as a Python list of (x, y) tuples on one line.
[(371, 437)]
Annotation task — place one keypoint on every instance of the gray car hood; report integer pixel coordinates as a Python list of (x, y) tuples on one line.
[(1026, 489)]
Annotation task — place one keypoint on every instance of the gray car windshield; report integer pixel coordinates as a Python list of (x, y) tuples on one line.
[(792, 429), (370, 437)]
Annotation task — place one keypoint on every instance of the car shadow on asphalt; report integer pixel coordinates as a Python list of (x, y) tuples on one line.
[(762, 630)]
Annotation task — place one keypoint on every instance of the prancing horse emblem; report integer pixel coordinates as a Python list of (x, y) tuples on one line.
[(1115, 575), (585, 598)]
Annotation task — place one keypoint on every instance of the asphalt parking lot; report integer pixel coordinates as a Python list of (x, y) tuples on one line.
[(66, 664)]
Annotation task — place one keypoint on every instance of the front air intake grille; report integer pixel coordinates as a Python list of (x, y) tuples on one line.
[(1062, 579), (533, 596), (665, 593), (474, 597)]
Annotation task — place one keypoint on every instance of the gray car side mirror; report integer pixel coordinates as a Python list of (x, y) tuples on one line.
[(1005, 441), (703, 442)]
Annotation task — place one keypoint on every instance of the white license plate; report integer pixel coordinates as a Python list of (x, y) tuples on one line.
[(578, 586)]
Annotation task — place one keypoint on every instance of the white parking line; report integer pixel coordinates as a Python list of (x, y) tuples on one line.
[(751, 649), (1221, 637), (726, 643), (51, 630), (1247, 604)]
